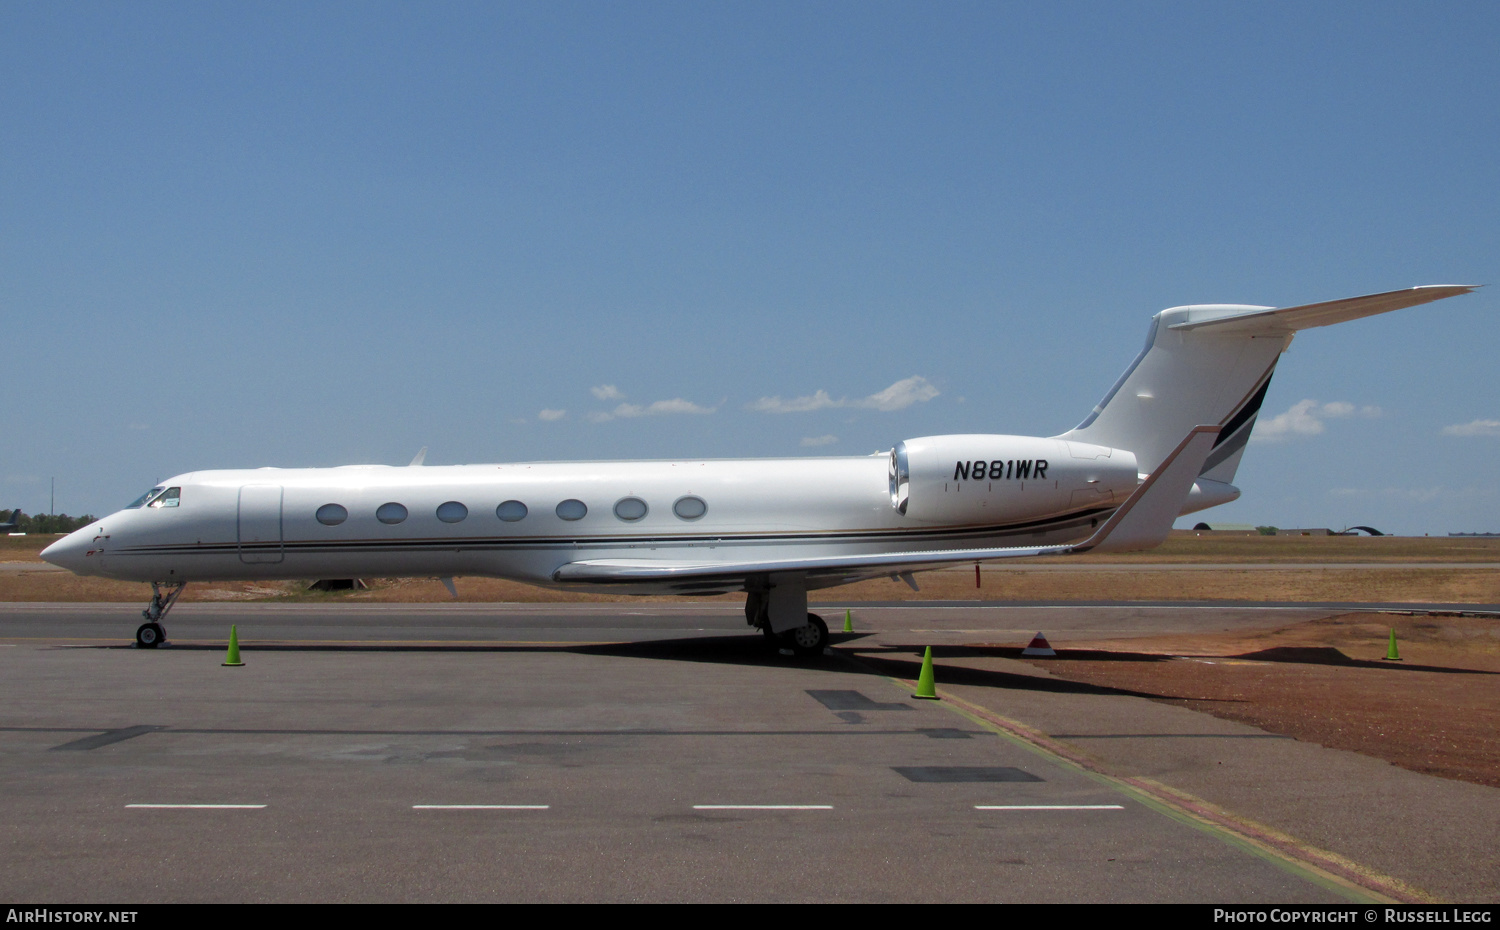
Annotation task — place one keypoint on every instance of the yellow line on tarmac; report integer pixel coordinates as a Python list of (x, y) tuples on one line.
[(1319, 866)]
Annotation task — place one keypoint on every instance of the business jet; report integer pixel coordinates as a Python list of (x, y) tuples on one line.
[(1165, 441)]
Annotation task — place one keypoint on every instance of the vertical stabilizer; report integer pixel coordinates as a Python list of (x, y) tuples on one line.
[(1213, 364)]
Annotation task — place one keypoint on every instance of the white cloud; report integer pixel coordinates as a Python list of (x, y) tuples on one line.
[(1305, 418), (607, 392), (827, 440), (816, 401), (902, 394), (677, 405), (551, 414), (899, 396), (661, 407), (1474, 428)]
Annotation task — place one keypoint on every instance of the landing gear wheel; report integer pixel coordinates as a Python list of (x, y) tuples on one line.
[(149, 635), (808, 640)]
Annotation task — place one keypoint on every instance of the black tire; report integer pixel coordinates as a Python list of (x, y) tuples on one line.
[(808, 640), (149, 635)]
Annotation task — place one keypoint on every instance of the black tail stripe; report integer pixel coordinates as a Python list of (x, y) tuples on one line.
[(1250, 409)]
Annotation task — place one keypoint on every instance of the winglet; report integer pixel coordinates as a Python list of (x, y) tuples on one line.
[(1146, 517), (420, 458)]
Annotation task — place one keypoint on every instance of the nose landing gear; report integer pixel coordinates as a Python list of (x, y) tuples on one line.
[(151, 634)]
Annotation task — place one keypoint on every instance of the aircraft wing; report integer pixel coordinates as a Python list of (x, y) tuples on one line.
[(1142, 522)]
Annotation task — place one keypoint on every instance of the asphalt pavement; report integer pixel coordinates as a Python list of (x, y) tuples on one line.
[(658, 753)]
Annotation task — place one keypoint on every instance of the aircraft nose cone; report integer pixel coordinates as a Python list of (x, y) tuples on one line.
[(76, 552)]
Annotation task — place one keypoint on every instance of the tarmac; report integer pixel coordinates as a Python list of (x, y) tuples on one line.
[(657, 753)]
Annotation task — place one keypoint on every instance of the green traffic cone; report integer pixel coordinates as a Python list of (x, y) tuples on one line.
[(848, 621), (1391, 655), (926, 688), (233, 658)]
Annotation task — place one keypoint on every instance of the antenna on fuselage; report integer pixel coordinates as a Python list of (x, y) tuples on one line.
[(418, 460)]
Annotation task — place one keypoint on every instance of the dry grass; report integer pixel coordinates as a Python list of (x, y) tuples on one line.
[(1012, 581), (24, 548), (1187, 546), (1426, 585)]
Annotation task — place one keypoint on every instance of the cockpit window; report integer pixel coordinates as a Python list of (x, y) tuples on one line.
[(167, 498), (141, 501)]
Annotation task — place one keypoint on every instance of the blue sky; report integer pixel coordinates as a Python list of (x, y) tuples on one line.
[(314, 234)]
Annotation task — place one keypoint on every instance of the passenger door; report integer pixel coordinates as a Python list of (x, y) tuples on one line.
[(260, 524)]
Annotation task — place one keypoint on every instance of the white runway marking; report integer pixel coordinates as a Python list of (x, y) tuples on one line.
[(197, 806), (762, 807), (481, 807), (1049, 807)]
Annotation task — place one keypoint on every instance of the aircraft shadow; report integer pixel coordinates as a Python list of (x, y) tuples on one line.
[(886, 661), (1298, 655), (752, 649), (904, 662), (1327, 655), (894, 661)]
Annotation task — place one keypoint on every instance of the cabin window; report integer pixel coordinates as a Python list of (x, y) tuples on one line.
[(168, 498), (511, 511), (332, 514), (141, 501), (630, 509), (571, 509), (690, 507), (391, 513), (452, 512)]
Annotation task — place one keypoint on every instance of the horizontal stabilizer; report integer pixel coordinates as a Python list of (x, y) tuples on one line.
[(1290, 319)]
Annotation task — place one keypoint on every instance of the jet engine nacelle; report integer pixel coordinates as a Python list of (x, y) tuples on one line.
[(988, 479)]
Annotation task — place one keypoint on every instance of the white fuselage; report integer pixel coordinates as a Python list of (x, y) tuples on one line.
[(956, 492)]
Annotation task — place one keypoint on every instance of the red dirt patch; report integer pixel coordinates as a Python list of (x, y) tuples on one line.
[(1325, 682)]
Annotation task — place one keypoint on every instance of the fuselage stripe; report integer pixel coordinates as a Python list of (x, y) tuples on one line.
[(939, 536)]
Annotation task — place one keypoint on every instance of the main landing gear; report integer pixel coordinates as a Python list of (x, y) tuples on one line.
[(809, 639), (151, 634)]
